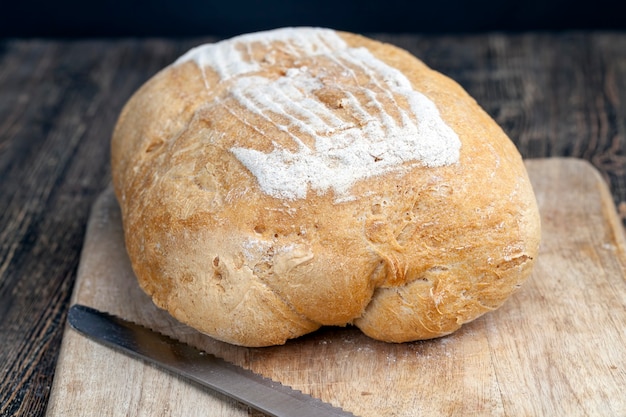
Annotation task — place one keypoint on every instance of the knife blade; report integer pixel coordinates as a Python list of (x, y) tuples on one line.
[(254, 390)]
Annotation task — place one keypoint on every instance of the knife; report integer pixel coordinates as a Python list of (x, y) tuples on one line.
[(245, 386)]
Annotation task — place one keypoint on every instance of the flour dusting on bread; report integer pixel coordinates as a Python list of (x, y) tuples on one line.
[(385, 124)]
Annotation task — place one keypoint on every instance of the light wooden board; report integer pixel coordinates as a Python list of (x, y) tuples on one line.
[(557, 347)]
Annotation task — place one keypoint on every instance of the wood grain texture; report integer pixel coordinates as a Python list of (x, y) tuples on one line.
[(557, 347), (555, 94), (58, 105)]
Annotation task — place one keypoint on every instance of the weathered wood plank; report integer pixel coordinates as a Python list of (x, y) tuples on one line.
[(53, 163)]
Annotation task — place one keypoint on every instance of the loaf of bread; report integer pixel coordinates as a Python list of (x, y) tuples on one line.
[(285, 180)]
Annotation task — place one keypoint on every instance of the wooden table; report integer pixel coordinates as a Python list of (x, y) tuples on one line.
[(555, 94)]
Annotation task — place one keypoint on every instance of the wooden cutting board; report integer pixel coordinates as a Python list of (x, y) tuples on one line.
[(556, 348)]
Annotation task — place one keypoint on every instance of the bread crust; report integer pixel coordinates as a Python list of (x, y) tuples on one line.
[(409, 254)]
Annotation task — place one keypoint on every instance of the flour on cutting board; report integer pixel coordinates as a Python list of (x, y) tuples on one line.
[(373, 123)]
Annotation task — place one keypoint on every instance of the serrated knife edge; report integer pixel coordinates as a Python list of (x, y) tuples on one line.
[(245, 386)]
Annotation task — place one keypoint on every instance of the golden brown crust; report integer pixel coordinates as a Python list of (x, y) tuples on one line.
[(415, 256)]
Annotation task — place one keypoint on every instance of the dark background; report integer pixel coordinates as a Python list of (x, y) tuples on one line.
[(119, 18)]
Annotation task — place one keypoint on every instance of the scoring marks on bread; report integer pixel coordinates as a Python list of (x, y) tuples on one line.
[(349, 118)]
